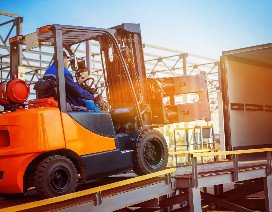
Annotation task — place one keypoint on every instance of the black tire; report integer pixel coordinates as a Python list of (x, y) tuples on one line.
[(151, 153), (54, 176)]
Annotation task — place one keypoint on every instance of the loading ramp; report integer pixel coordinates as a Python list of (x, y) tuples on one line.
[(174, 189)]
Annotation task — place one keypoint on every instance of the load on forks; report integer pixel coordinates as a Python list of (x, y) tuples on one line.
[(46, 144)]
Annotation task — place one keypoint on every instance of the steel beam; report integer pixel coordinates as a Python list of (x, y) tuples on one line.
[(221, 178), (12, 15), (58, 47), (268, 192), (145, 209), (14, 59), (5, 45), (180, 52), (223, 203), (195, 200), (244, 190), (184, 63), (256, 204), (235, 168), (10, 30), (19, 31), (194, 173), (6, 22), (174, 200), (269, 165), (218, 189), (88, 56)]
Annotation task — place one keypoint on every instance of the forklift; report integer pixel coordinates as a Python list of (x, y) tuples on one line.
[(46, 144)]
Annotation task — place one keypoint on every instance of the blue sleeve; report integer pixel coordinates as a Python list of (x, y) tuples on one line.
[(74, 89)]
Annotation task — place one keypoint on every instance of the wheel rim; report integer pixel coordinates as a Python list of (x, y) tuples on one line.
[(60, 178), (153, 153)]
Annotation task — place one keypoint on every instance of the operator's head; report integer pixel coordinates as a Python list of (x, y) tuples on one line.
[(65, 60)]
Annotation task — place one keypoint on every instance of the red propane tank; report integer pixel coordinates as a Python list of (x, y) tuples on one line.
[(13, 92)]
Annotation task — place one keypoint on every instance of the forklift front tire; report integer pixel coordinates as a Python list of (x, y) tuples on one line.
[(151, 153)]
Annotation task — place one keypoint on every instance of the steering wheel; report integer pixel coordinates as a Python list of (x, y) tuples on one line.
[(87, 79), (98, 100)]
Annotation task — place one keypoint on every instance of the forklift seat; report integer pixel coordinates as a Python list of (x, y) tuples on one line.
[(46, 89)]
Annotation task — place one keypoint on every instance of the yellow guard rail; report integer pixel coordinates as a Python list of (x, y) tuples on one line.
[(86, 192)]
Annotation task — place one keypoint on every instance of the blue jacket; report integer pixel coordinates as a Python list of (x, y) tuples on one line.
[(74, 93)]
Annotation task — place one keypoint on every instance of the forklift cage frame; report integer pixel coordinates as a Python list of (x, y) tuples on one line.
[(58, 35)]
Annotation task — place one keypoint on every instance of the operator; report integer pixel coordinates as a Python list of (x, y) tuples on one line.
[(75, 95)]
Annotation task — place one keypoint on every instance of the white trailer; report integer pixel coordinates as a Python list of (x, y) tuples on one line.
[(246, 85)]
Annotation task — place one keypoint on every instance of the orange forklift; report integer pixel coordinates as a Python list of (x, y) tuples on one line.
[(48, 145)]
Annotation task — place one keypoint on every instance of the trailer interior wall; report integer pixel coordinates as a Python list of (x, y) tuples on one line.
[(246, 80)]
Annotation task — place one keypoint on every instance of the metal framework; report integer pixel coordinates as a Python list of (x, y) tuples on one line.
[(11, 26), (159, 61), (169, 62)]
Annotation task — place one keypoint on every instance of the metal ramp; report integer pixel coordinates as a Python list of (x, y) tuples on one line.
[(181, 189), (109, 197)]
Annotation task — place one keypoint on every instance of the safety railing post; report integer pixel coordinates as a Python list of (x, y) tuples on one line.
[(235, 168), (167, 179), (194, 172), (269, 165), (187, 143), (98, 198), (175, 147)]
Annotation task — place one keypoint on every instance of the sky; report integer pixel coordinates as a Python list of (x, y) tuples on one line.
[(205, 27)]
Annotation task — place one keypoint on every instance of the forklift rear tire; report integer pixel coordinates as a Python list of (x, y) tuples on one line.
[(54, 176), (151, 153)]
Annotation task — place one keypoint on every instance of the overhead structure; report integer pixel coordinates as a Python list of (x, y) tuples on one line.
[(10, 27), (160, 62)]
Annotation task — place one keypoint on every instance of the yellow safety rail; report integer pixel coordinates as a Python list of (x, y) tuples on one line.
[(204, 127), (191, 151), (184, 128), (236, 152), (86, 192)]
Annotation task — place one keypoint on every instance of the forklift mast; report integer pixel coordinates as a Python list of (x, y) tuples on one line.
[(149, 93), (120, 97)]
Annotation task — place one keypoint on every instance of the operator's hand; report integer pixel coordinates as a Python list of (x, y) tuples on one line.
[(82, 79)]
